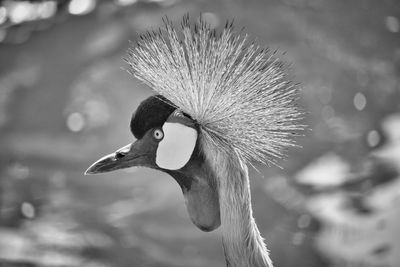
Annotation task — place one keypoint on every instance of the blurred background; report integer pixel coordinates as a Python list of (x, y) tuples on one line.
[(65, 101)]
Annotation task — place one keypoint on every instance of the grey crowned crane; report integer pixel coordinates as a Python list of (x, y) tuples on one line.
[(222, 102)]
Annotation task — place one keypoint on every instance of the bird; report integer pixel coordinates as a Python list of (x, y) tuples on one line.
[(222, 103)]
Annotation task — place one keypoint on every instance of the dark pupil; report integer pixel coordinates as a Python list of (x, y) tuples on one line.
[(158, 134)]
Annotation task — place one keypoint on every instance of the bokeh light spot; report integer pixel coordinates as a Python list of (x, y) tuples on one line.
[(28, 210), (327, 112), (47, 9), (81, 7), (316, 175), (373, 138), (359, 101), (125, 2), (298, 238), (211, 19), (304, 221), (20, 12), (392, 24), (19, 171), (75, 122), (3, 15)]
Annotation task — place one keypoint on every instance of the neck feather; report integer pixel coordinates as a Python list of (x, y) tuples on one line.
[(243, 244)]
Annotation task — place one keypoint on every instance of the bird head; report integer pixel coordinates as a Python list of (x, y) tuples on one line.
[(216, 93), (167, 140)]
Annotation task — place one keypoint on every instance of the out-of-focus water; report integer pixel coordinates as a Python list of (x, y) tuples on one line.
[(65, 101)]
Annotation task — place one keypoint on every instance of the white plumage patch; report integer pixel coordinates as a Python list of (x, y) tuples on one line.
[(177, 146)]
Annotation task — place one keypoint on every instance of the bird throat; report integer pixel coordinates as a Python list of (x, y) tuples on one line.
[(200, 192)]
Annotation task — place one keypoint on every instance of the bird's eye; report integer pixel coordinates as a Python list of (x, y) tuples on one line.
[(158, 134)]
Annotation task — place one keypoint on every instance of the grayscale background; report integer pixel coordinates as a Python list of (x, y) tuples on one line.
[(65, 101)]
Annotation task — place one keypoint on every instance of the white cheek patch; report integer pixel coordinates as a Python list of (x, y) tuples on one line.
[(177, 146)]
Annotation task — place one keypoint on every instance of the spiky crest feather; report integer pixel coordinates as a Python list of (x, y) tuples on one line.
[(237, 92)]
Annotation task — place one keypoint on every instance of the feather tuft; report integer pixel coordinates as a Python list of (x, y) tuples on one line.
[(237, 92)]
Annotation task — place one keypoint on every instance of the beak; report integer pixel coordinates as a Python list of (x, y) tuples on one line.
[(125, 157)]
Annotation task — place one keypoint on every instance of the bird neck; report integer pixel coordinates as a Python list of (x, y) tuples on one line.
[(243, 244)]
